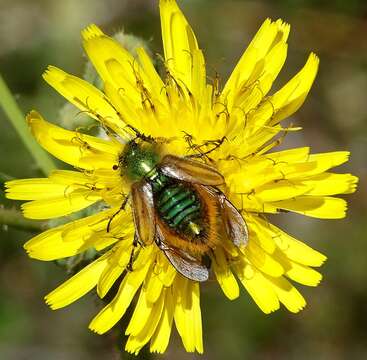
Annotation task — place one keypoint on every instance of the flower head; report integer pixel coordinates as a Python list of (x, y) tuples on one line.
[(226, 134)]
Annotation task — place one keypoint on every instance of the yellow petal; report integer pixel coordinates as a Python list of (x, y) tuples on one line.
[(104, 51), (260, 118), (258, 287), (153, 285), (331, 184), (304, 274), (33, 189), (167, 275), (77, 286), (71, 190), (153, 79), (144, 315), (98, 179), (263, 261), (60, 206), (49, 245), (69, 239), (187, 314), (322, 207), (117, 262), (160, 338), (138, 118), (321, 163), (291, 97), (72, 147), (118, 68), (140, 315), (253, 64), (113, 222), (91, 32), (196, 317), (198, 80), (144, 327), (294, 249), (287, 294), (288, 156), (224, 275), (281, 190), (267, 170), (163, 274), (260, 233), (262, 80), (85, 97), (61, 183), (182, 54), (113, 312)]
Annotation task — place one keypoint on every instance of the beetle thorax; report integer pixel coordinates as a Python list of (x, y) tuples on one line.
[(138, 160)]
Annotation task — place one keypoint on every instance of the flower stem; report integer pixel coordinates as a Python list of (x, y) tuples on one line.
[(13, 218), (16, 117)]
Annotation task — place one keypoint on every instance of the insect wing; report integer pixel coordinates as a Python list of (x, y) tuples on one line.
[(187, 265), (184, 263), (143, 211), (190, 171), (235, 224)]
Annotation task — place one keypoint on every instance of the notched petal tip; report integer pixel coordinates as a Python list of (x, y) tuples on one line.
[(8, 188), (321, 260), (95, 330), (317, 281), (312, 65), (314, 58), (34, 120), (284, 28), (49, 303), (298, 309), (25, 213), (282, 24), (53, 74), (91, 31), (27, 249), (33, 116), (353, 183), (278, 25)]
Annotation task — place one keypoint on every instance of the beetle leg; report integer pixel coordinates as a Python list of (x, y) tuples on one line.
[(122, 207), (131, 260)]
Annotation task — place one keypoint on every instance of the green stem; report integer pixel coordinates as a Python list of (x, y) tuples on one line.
[(15, 219), (16, 117)]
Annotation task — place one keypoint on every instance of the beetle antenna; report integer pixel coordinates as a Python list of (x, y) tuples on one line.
[(139, 135), (195, 147)]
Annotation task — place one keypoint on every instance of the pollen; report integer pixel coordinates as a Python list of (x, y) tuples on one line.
[(195, 228)]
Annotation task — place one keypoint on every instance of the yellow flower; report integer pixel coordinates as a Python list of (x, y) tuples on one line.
[(232, 129)]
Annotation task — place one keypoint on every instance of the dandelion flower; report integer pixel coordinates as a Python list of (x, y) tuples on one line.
[(230, 132)]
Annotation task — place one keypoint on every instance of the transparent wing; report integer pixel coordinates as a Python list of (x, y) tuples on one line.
[(143, 211), (186, 264), (190, 171), (235, 225)]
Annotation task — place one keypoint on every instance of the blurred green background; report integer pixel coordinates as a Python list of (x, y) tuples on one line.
[(36, 33)]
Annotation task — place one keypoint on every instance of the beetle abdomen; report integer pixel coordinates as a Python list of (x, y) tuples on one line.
[(180, 208)]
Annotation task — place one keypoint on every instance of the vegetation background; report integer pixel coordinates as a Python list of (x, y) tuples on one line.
[(36, 33)]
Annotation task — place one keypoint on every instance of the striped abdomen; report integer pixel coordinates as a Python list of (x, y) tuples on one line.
[(179, 207)]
